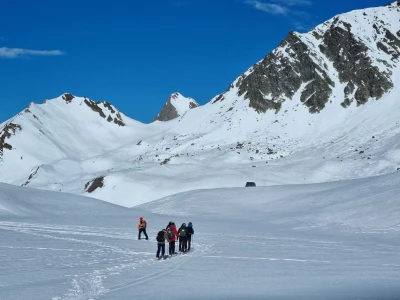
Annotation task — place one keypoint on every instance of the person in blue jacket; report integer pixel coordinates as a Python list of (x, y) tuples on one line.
[(189, 232)]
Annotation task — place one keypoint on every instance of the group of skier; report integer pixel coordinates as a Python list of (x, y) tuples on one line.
[(170, 234)]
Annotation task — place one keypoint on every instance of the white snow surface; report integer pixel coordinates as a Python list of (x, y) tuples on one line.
[(224, 143), (337, 240)]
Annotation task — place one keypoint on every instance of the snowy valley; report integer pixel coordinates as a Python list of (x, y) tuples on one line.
[(321, 241), (315, 124)]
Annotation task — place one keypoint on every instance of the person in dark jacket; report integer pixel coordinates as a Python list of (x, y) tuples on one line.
[(142, 228), (161, 238), (172, 234), (189, 232), (182, 233)]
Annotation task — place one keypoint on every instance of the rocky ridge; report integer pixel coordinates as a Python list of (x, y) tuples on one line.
[(361, 48)]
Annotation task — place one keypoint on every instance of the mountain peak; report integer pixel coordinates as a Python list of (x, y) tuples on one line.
[(59, 115), (105, 109), (177, 105), (351, 56)]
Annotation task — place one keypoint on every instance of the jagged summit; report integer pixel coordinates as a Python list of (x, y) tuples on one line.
[(177, 105), (353, 56)]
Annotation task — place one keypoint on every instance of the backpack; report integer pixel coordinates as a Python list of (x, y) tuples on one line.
[(182, 232), (160, 236), (170, 234), (189, 230)]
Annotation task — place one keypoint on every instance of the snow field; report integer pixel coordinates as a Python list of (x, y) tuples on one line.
[(319, 241)]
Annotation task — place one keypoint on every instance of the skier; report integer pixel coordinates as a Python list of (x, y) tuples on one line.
[(172, 234), (161, 238), (182, 234), (142, 228), (169, 224), (189, 232)]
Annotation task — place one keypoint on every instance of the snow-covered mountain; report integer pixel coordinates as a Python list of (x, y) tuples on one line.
[(350, 57), (322, 106), (177, 105)]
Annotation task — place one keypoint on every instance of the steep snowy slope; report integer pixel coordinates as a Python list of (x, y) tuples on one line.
[(322, 106)]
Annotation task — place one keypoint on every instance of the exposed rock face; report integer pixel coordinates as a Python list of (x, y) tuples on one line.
[(95, 107), (68, 97), (280, 75), (6, 132), (96, 183), (167, 113), (350, 58), (175, 107), (303, 64)]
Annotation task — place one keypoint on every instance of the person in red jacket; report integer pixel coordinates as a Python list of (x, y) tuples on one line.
[(142, 228), (172, 234)]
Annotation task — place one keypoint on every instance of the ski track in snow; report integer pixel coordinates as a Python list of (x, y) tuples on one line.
[(91, 285)]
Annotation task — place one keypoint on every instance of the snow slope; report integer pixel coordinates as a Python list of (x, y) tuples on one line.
[(63, 145), (335, 240)]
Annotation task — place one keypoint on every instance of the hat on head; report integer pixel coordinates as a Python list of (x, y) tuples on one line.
[(141, 218)]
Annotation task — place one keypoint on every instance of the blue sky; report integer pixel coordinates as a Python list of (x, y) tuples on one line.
[(134, 54)]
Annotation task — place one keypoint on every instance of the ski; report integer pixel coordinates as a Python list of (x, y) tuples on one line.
[(162, 257)]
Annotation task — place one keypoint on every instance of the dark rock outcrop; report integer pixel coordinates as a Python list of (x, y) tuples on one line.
[(167, 113), (390, 44), (68, 97), (5, 133), (350, 59), (94, 184), (278, 76), (95, 106)]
